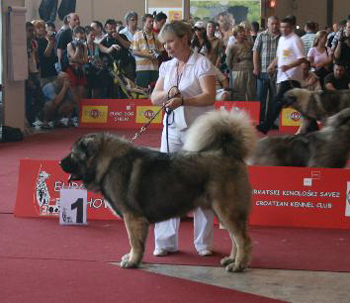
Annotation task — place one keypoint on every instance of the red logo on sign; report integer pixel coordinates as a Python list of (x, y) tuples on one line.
[(94, 113), (295, 116), (148, 114)]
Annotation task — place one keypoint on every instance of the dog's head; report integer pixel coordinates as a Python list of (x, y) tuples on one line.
[(296, 97), (341, 119), (79, 162)]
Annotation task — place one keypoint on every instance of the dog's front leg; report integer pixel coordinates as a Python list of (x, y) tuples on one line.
[(137, 228)]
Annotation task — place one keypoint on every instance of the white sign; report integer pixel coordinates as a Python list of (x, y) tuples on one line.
[(347, 207), (73, 203)]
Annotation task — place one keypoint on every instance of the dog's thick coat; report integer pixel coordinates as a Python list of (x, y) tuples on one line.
[(146, 186), (317, 105), (328, 147)]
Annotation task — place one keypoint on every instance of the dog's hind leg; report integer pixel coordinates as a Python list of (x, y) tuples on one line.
[(238, 259), (137, 228)]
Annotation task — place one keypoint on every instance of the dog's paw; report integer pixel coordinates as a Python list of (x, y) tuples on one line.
[(226, 261), (233, 267), (126, 257), (128, 264)]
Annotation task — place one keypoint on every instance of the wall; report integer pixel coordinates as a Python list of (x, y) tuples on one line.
[(13, 92), (89, 10)]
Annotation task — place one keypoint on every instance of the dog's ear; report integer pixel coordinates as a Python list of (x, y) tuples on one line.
[(90, 144)]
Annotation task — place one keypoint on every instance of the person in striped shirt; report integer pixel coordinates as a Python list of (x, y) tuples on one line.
[(146, 49)]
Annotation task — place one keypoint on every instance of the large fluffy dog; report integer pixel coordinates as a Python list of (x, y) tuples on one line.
[(317, 105), (146, 186), (328, 147)]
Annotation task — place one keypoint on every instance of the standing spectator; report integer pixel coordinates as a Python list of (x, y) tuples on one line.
[(264, 52), (96, 74), (146, 49), (290, 55), (309, 37), (200, 42), (240, 62), (159, 21), (131, 20), (98, 29), (342, 26), (226, 23), (189, 80), (254, 30), (120, 54), (34, 97), (332, 34), (216, 44), (342, 50), (46, 52), (339, 79), (77, 56), (321, 57), (65, 37)]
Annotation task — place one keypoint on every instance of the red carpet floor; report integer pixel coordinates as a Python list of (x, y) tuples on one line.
[(274, 248)]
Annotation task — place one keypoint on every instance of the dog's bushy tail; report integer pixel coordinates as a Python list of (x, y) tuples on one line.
[(229, 132)]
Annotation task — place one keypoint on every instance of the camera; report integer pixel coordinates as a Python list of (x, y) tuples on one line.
[(78, 42), (52, 35), (156, 54)]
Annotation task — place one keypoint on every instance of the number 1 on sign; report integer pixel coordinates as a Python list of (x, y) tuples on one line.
[(73, 204)]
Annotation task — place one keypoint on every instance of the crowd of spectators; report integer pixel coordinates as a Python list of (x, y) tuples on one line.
[(251, 63)]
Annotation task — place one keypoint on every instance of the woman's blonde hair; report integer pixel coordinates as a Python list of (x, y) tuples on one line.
[(319, 35), (38, 23), (238, 29), (176, 28)]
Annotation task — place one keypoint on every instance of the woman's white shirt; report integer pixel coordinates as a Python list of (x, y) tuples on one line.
[(195, 68)]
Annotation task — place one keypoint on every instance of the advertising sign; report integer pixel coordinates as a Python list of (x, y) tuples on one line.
[(281, 196)]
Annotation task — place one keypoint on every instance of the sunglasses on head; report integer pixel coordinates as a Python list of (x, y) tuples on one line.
[(198, 29)]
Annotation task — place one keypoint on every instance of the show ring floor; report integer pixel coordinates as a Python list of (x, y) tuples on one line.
[(41, 261)]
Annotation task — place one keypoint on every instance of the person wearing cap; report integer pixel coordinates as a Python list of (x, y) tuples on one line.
[(159, 21), (200, 42), (187, 85)]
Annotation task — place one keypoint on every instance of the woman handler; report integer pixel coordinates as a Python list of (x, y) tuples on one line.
[(187, 85)]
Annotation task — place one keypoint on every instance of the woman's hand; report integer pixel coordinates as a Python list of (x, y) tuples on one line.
[(174, 103)]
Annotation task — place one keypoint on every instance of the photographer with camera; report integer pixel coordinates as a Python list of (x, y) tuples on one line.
[(46, 52), (342, 50), (77, 56), (96, 71), (147, 50)]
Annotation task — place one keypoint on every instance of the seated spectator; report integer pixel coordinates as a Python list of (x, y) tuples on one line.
[(240, 62), (223, 90), (146, 48), (321, 57), (46, 52), (59, 102), (77, 56), (339, 79), (98, 28), (310, 80), (131, 20), (200, 43)]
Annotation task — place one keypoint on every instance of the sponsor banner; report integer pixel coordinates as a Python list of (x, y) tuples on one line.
[(282, 196), (132, 114), (289, 120)]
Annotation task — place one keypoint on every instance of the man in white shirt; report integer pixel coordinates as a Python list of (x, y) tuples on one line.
[(290, 55)]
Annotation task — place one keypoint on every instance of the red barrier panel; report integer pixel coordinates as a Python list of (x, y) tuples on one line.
[(282, 196), (132, 114)]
